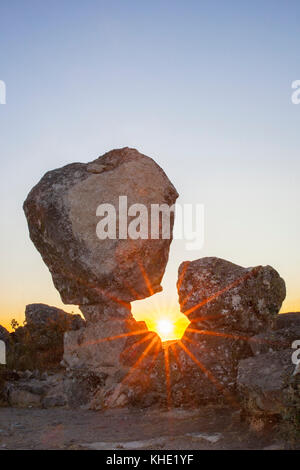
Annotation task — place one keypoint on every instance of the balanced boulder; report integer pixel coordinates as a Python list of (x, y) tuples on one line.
[(62, 215)]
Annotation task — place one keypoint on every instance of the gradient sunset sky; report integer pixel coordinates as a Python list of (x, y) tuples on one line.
[(203, 87)]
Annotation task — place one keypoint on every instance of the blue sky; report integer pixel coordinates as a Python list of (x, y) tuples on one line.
[(202, 87)]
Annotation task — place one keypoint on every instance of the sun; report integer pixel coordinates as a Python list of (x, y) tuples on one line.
[(161, 315), (165, 329)]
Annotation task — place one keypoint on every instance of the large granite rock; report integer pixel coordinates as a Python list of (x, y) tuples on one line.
[(268, 384), (215, 293), (62, 220)]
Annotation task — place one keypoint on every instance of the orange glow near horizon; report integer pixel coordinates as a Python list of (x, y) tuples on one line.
[(162, 316), (168, 327)]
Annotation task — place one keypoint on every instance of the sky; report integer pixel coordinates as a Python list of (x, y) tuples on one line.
[(202, 87)]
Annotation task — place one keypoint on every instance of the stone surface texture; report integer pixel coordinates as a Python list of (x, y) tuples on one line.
[(61, 215)]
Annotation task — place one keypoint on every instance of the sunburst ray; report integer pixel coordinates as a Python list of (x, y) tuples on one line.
[(233, 284), (232, 336), (209, 375), (167, 375)]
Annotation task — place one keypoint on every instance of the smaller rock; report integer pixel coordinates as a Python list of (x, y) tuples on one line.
[(285, 331), (266, 383), (287, 320), (80, 386), (38, 345), (216, 293), (42, 315), (20, 398)]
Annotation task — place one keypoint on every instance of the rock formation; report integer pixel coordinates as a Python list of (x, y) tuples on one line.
[(269, 382), (61, 214), (43, 316), (39, 343), (216, 293), (102, 276), (236, 341), (226, 305)]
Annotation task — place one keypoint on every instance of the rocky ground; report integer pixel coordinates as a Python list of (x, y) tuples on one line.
[(205, 428)]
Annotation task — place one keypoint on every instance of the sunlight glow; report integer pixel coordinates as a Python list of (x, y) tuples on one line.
[(161, 315), (165, 329)]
